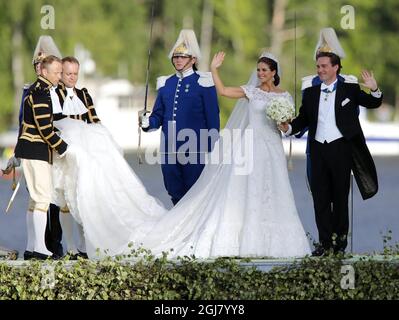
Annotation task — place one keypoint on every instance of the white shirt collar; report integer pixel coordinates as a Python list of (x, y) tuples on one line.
[(185, 73), (70, 91), (73, 105), (55, 101), (330, 87)]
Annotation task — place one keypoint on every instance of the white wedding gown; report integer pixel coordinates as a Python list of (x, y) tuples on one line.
[(233, 209)]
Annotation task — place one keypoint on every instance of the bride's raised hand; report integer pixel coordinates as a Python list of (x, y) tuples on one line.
[(217, 60)]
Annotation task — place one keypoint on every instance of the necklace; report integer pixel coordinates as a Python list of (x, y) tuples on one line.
[(328, 91), (265, 89)]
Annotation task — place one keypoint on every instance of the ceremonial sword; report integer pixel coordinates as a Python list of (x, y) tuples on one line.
[(144, 111), (15, 187)]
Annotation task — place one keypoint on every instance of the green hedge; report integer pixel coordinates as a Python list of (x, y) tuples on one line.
[(187, 278)]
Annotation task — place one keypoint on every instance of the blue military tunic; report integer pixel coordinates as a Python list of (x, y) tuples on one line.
[(185, 101)]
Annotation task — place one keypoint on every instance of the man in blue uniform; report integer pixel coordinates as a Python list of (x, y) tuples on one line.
[(187, 110)]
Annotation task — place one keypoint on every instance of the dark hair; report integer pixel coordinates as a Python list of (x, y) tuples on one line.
[(273, 67), (71, 60), (334, 59), (48, 61)]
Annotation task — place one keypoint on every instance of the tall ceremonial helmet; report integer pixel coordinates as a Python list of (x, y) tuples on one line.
[(186, 45), (328, 42), (45, 47)]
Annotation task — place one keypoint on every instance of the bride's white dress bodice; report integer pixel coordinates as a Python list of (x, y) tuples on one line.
[(258, 103)]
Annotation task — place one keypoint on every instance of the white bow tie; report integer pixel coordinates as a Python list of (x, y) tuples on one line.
[(72, 104), (331, 87)]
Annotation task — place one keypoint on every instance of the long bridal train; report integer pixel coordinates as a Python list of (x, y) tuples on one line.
[(224, 213)]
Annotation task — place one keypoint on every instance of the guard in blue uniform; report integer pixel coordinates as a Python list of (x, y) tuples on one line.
[(187, 110)]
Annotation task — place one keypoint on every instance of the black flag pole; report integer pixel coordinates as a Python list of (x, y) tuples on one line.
[(351, 212), (290, 164), (144, 111)]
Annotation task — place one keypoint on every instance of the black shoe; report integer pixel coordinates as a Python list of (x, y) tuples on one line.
[(339, 251), (321, 251), (42, 256), (75, 256), (28, 255), (318, 252), (82, 255)]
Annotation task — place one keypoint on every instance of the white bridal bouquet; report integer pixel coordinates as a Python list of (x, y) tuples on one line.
[(280, 110)]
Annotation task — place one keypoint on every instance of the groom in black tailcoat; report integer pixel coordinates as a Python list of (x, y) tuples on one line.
[(337, 144)]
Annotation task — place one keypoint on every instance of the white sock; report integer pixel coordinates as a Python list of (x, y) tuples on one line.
[(67, 222), (31, 231), (39, 224), (81, 238)]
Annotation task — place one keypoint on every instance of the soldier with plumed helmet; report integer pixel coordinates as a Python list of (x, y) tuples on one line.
[(186, 107)]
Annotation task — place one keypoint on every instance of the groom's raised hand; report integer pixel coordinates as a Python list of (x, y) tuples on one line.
[(369, 80)]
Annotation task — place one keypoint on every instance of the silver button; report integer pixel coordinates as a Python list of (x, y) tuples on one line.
[(174, 115), (175, 108), (177, 90), (177, 96), (175, 101)]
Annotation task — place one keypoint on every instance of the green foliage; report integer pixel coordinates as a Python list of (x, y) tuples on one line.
[(142, 276), (116, 33)]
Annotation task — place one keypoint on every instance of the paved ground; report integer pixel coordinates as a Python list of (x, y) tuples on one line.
[(372, 218)]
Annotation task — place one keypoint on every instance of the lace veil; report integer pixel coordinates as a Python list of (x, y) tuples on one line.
[(183, 222)]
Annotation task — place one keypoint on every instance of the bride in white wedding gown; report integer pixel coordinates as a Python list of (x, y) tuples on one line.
[(226, 213)]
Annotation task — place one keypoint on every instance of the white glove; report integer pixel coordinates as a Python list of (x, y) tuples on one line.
[(144, 121), (13, 162)]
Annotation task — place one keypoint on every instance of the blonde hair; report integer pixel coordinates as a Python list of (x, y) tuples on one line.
[(47, 61)]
